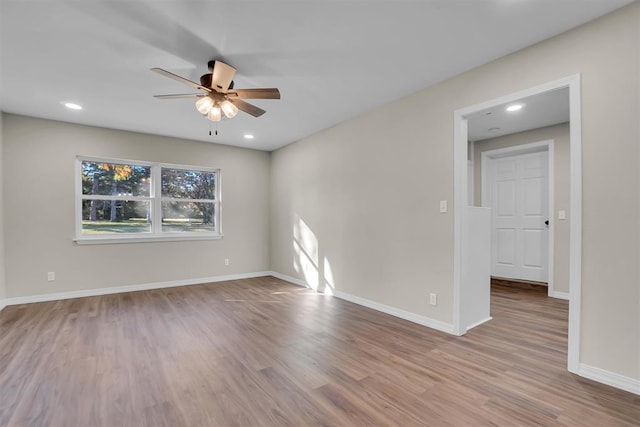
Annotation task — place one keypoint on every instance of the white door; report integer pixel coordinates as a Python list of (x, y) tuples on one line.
[(519, 209)]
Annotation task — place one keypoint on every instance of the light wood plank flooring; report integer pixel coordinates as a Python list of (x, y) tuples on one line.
[(262, 352)]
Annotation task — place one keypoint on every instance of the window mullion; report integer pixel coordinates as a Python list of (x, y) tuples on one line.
[(156, 202), (118, 198), (178, 199)]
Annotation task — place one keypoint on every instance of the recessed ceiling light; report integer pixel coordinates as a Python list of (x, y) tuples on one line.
[(72, 106), (248, 136), (515, 107)]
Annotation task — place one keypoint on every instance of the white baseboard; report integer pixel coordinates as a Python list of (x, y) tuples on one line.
[(473, 325), (3, 304), (609, 378), (130, 288), (559, 295), (406, 315), (290, 279)]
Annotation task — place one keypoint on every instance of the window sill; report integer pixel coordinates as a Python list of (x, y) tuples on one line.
[(108, 240)]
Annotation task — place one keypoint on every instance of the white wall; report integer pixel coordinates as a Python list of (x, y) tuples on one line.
[(3, 290), (560, 135), (38, 168), (357, 204)]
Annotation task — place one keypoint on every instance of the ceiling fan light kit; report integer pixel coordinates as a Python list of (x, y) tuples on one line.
[(219, 96), (214, 114), (204, 105), (228, 109)]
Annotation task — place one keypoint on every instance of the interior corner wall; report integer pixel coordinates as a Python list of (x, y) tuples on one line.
[(3, 289), (355, 207), (561, 156), (39, 214)]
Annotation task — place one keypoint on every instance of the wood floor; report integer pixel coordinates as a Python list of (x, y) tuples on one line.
[(262, 352)]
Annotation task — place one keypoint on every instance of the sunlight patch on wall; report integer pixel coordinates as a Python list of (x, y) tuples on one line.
[(328, 278), (305, 249), (305, 266), (306, 258), (306, 239)]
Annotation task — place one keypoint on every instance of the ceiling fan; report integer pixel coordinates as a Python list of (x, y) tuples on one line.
[(219, 96)]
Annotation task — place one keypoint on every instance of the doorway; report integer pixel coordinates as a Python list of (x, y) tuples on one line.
[(461, 190), (517, 185)]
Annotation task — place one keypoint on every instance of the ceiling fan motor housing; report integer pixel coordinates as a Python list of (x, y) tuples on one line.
[(216, 86), (205, 80)]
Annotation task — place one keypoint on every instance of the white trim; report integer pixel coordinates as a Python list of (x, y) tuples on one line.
[(551, 211), (472, 162), (402, 314), (131, 288), (516, 150), (460, 147), (155, 200), (77, 172), (575, 226), (129, 162), (145, 238), (559, 295), (609, 378), (293, 280), (473, 325), (547, 146), (3, 304), (545, 87), (575, 241)]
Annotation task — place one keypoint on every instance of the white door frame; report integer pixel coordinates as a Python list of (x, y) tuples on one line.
[(460, 148), (533, 147)]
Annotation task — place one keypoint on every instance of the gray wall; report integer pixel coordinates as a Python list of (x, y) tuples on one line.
[(560, 135), (367, 191), (39, 159)]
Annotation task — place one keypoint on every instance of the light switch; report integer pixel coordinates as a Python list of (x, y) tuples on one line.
[(443, 206), (562, 214)]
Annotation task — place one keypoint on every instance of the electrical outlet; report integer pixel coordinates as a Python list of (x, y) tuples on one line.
[(433, 299), (226, 262), (51, 276), (562, 214)]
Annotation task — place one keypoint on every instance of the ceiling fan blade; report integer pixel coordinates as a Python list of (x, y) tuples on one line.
[(248, 108), (180, 79), (222, 76), (263, 93), (179, 96)]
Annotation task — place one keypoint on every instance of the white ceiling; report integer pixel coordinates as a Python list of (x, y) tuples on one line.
[(332, 60), (545, 109)]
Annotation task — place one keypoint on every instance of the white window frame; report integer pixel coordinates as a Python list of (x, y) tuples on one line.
[(155, 200)]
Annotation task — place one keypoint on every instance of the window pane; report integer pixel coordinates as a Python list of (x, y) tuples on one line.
[(188, 216), (115, 179), (115, 216), (188, 184)]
